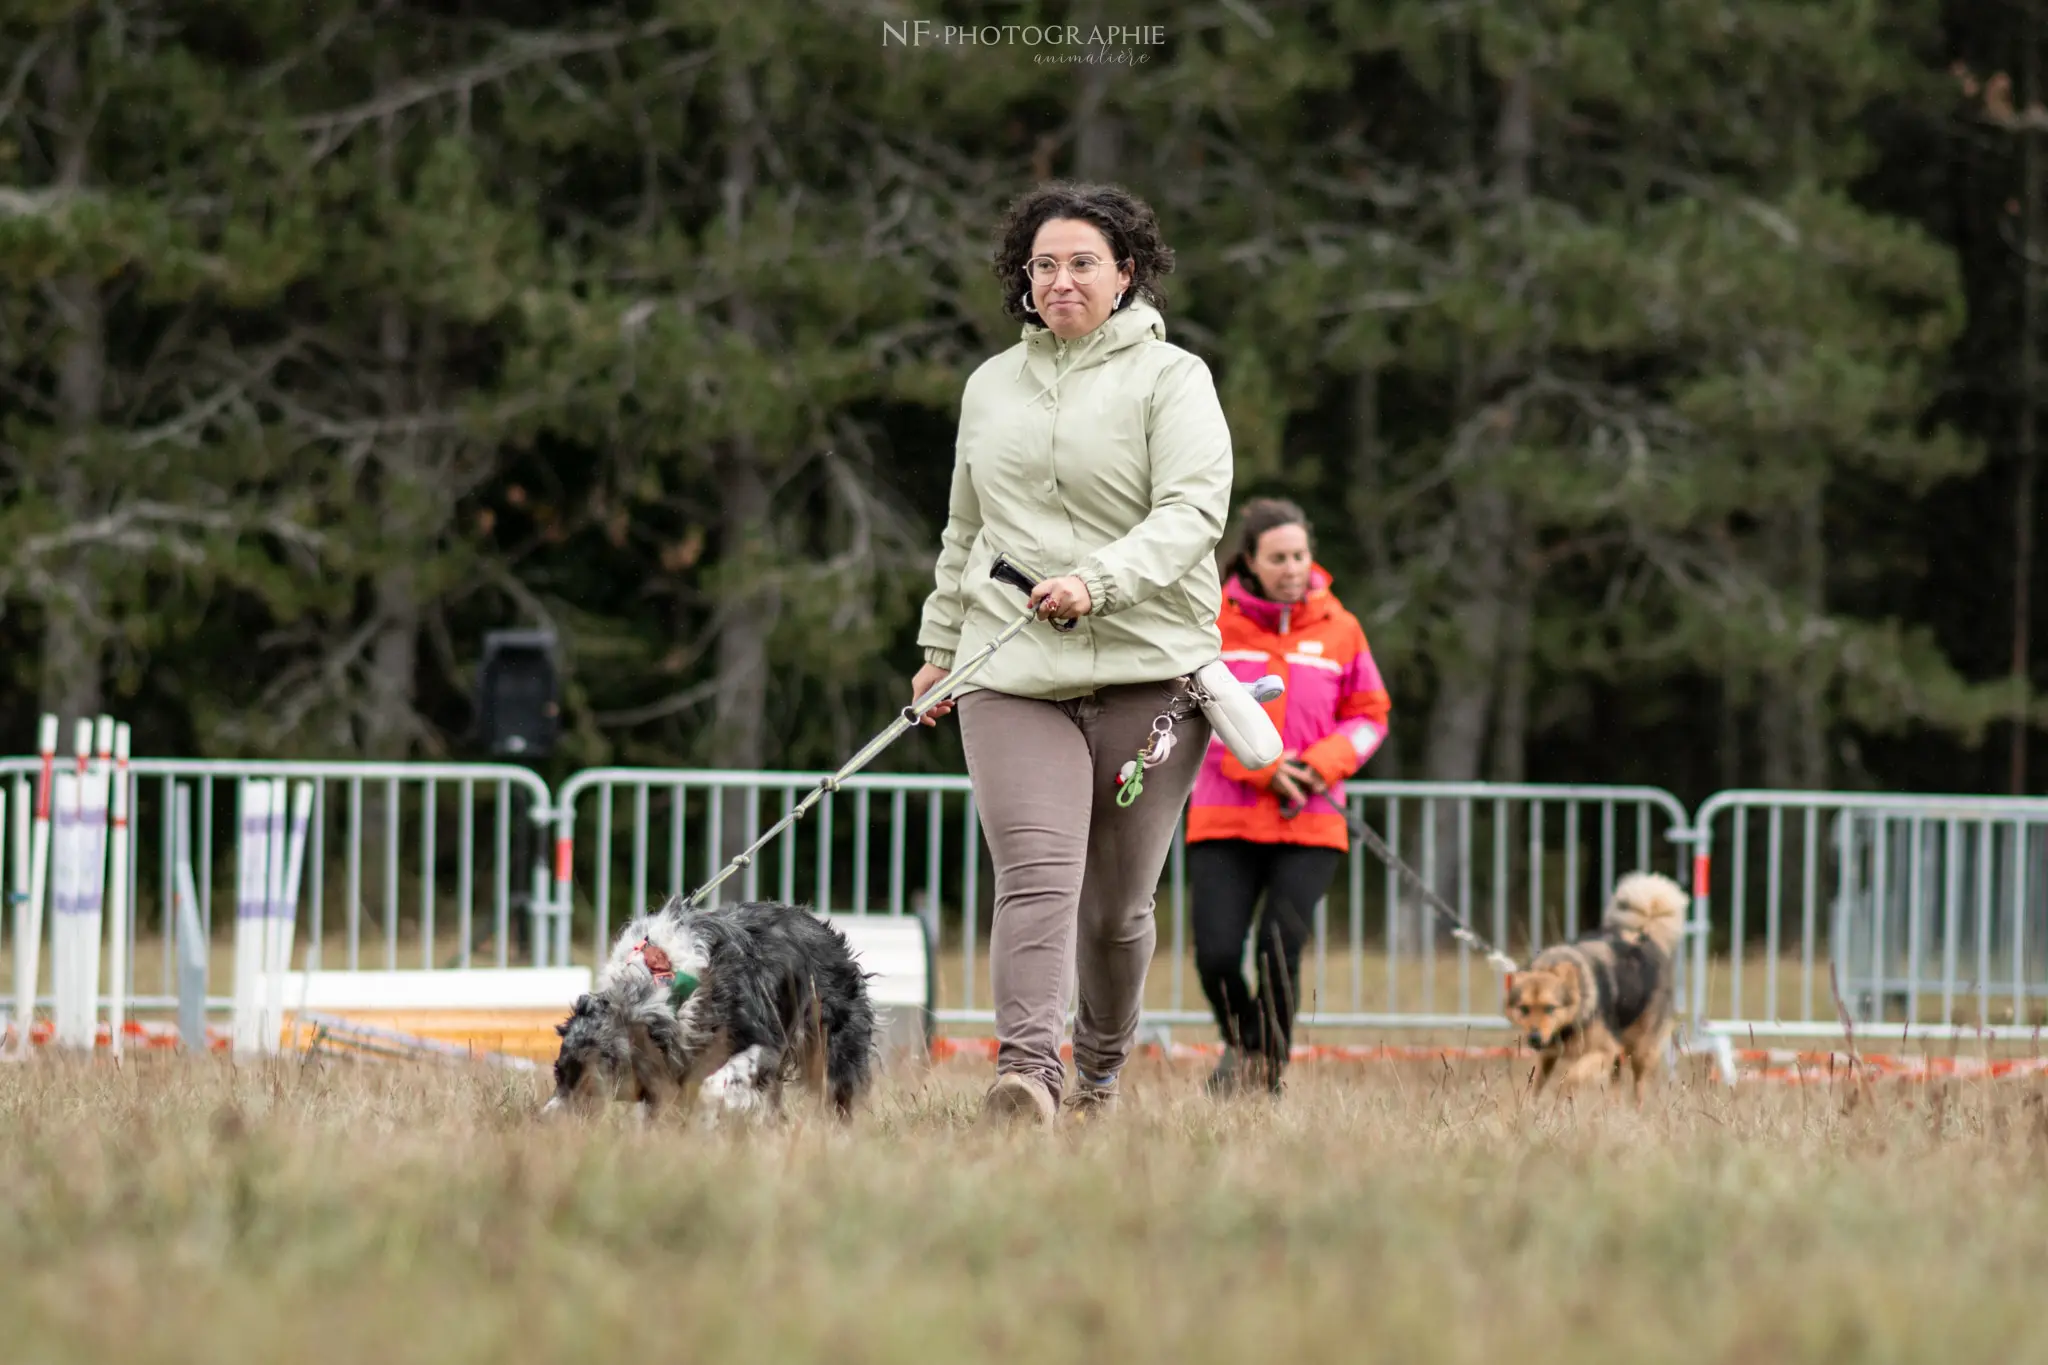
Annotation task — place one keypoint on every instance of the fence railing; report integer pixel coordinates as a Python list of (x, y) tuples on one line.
[(678, 827), (1930, 913), (407, 864), (1518, 862)]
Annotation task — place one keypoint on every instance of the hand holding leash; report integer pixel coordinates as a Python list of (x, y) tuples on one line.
[(1051, 599), (931, 687), (928, 677), (1296, 782), (1062, 599)]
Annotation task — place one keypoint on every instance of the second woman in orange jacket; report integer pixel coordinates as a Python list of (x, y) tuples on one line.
[(1259, 832)]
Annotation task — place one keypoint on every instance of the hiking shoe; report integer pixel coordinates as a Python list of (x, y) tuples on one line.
[(1229, 1076), (1015, 1100), (1090, 1102)]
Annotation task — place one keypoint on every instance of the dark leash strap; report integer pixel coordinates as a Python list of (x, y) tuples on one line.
[(1460, 931)]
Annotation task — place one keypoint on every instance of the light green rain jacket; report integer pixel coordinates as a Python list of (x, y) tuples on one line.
[(1108, 458)]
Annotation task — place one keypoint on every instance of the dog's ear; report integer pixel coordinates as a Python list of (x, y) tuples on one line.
[(1571, 988)]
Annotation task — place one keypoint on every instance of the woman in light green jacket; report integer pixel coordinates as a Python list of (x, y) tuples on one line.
[(1093, 452)]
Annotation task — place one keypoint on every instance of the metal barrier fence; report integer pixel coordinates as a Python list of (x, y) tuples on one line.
[(408, 864), (1932, 912), (682, 825), (1523, 864)]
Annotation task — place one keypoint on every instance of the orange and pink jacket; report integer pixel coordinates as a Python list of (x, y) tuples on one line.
[(1333, 715)]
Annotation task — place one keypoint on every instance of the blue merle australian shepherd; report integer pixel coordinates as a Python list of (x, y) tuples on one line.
[(736, 1000)]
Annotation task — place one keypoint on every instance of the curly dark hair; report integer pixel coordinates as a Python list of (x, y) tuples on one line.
[(1126, 220)]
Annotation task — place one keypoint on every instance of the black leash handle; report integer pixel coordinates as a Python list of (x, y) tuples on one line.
[(1007, 570)]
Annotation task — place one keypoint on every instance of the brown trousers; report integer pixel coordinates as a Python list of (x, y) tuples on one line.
[(1076, 873)]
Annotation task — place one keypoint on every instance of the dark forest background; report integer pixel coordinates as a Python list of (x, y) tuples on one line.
[(1663, 378)]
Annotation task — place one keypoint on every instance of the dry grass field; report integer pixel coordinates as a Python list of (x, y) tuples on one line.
[(341, 1211)]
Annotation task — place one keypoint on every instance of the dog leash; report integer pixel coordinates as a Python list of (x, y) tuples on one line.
[(1003, 571), (1460, 931)]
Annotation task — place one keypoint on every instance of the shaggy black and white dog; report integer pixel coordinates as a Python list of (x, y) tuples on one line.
[(768, 992)]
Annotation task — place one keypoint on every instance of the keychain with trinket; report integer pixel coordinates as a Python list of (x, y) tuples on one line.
[(1130, 779)]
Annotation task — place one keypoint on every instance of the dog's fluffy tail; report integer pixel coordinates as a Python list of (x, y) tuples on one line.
[(1650, 904)]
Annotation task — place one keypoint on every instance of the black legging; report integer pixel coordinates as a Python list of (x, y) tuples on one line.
[(1227, 876)]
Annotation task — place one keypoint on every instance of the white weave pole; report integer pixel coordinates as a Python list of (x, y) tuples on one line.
[(23, 809), (285, 908), (92, 902), (273, 895), (75, 925), (193, 944), (117, 916), (15, 835), (252, 912), (28, 923), (65, 861)]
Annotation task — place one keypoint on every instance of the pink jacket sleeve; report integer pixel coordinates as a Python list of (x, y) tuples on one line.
[(1362, 713)]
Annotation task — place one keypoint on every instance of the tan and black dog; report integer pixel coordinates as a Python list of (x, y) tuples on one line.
[(1588, 1004)]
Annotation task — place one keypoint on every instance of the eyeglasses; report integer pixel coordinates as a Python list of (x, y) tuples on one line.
[(1044, 269)]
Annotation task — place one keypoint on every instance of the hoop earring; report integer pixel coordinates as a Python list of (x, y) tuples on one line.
[(1117, 302), (1029, 306)]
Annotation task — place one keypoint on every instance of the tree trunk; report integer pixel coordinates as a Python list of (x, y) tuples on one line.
[(384, 705), (1777, 725), (740, 707), (70, 681), (1486, 526), (1484, 517), (2028, 475), (739, 710), (1728, 753), (1455, 733), (1365, 513), (1517, 641), (1098, 135), (1468, 684), (1811, 707), (1516, 147), (388, 726), (1791, 714)]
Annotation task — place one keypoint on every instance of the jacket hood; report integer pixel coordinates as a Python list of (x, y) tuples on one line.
[(1265, 612), (1124, 327), (1121, 330)]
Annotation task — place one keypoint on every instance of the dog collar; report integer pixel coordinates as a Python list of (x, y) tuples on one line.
[(684, 985), (681, 985)]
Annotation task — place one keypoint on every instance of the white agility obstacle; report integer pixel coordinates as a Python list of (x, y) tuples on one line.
[(270, 858), (79, 886)]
